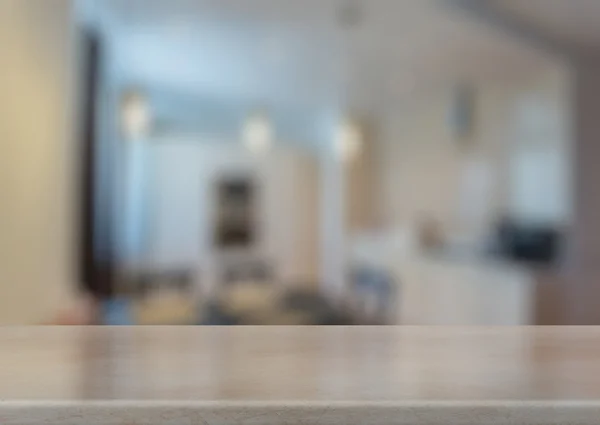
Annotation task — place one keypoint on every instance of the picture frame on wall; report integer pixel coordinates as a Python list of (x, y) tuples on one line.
[(235, 225)]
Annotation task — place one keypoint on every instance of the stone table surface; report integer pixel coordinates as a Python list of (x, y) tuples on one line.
[(305, 375)]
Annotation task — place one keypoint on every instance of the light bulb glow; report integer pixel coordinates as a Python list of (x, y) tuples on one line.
[(348, 141), (257, 134), (135, 116)]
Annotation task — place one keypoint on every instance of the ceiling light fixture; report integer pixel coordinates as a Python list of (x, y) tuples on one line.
[(257, 133), (135, 116), (348, 141)]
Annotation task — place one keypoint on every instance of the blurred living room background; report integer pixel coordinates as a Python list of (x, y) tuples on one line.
[(221, 162)]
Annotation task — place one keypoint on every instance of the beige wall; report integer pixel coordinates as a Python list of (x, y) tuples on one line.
[(583, 289), (36, 159), (466, 183), (360, 174)]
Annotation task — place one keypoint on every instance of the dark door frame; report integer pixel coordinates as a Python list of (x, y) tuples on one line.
[(96, 251)]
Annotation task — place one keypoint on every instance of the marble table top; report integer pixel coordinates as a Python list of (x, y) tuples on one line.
[(305, 375)]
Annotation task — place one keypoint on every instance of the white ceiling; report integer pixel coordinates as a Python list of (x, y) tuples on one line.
[(575, 21), (296, 51)]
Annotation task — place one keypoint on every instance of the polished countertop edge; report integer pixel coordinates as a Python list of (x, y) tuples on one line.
[(150, 412)]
